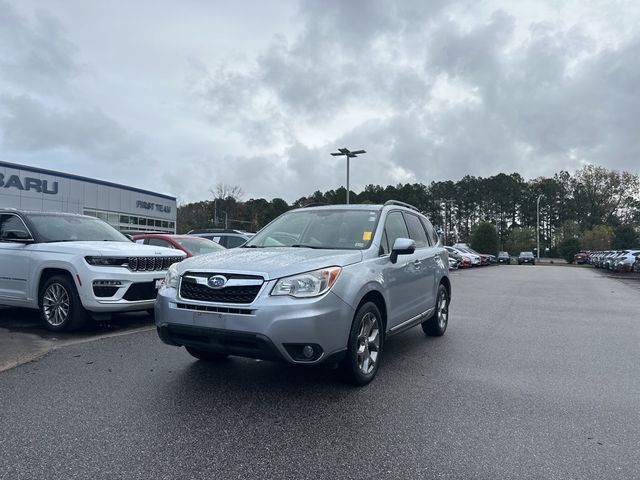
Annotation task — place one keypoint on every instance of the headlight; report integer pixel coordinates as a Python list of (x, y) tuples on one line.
[(310, 284), (106, 261), (172, 276)]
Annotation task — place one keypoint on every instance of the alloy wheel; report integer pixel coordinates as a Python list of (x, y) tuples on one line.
[(443, 310), (56, 304), (368, 347)]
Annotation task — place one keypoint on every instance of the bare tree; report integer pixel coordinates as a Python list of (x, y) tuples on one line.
[(224, 191)]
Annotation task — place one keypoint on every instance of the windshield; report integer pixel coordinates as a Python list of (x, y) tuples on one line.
[(326, 229), (63, 228), (199, 246), (526, 254)]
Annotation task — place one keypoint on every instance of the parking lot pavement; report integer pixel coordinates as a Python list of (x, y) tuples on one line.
[(23, 337), (537, 377)]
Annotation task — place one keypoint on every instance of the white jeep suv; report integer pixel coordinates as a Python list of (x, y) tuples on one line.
[(72, 267)]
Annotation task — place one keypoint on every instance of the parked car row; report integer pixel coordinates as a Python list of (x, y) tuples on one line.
[(318, 285), (615, 260), (463, 256)]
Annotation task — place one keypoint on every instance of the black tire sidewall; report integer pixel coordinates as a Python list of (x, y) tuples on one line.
[(77, 313), (431, 326)]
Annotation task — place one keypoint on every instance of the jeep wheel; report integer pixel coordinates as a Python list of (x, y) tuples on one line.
[(364, 350), (60, 306), (436, 325), (206, 356)]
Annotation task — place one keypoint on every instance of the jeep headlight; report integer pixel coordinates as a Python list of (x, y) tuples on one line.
[(310, 284), (172, 276)]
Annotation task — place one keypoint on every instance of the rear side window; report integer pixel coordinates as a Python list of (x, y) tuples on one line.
[(160, 242), (431, 232), (416, 230), (394, 228), (233, 242)]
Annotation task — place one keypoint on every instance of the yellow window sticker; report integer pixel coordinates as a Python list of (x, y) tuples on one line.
[(366, 236)]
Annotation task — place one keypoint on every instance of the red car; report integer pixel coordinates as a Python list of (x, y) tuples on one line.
[(187, 243), (581, 257)]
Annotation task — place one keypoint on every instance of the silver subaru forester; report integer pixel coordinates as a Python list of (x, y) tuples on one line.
[(318, 285)]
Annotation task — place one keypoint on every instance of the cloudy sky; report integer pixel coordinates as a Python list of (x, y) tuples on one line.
[(177, 97)]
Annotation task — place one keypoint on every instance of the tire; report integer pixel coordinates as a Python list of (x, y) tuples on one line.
[(206, 356), (436, 325), (60, 305), (364, 350)]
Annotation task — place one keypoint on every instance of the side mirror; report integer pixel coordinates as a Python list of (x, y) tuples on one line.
[(19, 236), (402, 246)]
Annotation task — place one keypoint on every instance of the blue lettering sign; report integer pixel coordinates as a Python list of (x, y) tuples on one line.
[(29, 184)]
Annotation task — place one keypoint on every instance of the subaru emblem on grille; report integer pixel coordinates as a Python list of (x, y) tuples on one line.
[(217, 281)]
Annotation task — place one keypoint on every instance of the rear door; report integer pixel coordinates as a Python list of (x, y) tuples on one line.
[(424, 262), (15, 259)]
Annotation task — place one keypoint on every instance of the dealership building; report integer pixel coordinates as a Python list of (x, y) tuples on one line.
[(126, 208)]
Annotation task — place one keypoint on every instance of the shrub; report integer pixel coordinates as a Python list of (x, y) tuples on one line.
[(485, 239)]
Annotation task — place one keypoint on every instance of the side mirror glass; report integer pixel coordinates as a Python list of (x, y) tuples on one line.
[(402, 246)]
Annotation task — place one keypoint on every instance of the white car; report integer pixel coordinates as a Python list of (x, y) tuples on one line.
[(475, 259), (72, 267), (625, 261)]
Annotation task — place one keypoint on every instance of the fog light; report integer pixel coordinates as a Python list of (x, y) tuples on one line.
[(308, 351)]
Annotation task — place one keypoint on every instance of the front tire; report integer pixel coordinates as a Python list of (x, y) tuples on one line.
[(60, 305), (436, 325), (364, 350), (206, 356)]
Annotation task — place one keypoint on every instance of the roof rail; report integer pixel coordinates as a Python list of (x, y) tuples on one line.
[(402, 204), (315, 204)]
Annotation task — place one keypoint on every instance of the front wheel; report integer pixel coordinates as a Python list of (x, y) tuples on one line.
[(364, 350), (436, 325), (60, 306)]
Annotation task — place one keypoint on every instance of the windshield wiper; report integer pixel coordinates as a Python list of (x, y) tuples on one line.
[(300, 245), (252, 246)]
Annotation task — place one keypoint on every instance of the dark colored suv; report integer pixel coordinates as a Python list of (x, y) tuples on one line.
[(526, 257)]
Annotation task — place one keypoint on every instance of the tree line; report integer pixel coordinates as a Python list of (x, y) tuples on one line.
[(595, 208)]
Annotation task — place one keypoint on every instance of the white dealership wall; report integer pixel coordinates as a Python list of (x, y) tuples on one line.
[(128, 209)]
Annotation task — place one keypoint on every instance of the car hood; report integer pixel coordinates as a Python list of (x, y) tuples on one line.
[(108, 249), (270, 262)]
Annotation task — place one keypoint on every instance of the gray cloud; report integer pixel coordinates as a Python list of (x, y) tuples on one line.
[(27, 125), (432, 90), (35, 54)]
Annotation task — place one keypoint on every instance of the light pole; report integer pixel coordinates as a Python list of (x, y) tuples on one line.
[(349, 154), (538, 225)]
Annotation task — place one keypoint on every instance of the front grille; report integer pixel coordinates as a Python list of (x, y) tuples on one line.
[(141, 291), (239, 294), (151, 264)]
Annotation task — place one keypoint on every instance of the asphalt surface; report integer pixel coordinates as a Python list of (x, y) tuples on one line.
[(23, 336), (537, 377)]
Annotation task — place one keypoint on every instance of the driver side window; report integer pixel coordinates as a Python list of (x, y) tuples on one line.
[(11, 226), (394, 228)]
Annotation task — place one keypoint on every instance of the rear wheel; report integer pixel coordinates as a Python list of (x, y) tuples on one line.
[(206, 356), (364, 351), (436, 325), (60, 306)]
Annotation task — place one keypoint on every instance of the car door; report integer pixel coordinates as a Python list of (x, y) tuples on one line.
[(424, 262), (15, 259), (400, 277)]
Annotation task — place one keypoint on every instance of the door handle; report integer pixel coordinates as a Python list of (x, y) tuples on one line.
[(417, 263)]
